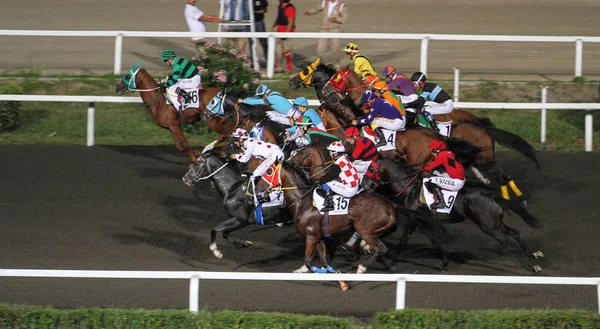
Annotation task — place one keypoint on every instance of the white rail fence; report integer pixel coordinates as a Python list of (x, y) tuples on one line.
[(400, 279), (92, 100), (272, 36)]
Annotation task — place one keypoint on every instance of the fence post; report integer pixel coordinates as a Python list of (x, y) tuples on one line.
[(589, 131), (401, 293), (424, 46), (578, 57), (456, 79), (118, 53), (598, 287), (271, 56), (543, 130), (194, 293), (90, 124)]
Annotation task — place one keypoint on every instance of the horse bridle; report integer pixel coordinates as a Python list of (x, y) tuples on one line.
[(129, 88)]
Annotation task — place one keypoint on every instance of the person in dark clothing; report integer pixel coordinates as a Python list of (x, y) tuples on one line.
[(364, 148), (260, 9)]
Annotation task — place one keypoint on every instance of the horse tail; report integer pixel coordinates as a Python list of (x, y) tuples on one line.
[(518, 209), (432, 228), (464, 151), (514, 142), (483, 122)]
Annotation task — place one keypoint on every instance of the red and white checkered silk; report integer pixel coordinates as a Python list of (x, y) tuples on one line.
[(349, 174)]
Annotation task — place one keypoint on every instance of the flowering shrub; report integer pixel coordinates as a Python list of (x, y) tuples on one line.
[(222, 66)]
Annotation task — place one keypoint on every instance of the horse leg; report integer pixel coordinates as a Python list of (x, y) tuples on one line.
[(379, 249), (322, 250), (509, 245), (226, 227), (181, 142), (504, 179), (515, 234), (480, 176), (309, 254)]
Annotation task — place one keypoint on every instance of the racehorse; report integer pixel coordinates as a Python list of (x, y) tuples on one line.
[(481, 207), (369, 214), (165, 115), (225, 177)]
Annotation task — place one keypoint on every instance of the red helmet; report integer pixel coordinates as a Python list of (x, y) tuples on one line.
[(352, 131), (437, 144)]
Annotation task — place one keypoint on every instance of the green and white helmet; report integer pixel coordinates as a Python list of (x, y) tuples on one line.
[(167, 54)]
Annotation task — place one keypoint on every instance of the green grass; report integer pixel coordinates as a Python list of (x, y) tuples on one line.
[(131, 124)]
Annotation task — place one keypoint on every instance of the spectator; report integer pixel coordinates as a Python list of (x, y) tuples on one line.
[(195, 18), (236, 10), (334, 17), (260, 9), (285, 22)]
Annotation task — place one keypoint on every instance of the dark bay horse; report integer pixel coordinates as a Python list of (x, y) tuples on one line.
[(483, 208), (225, 177), (165, 115), (370, 214)]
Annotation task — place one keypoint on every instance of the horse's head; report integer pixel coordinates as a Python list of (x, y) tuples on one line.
[(205, 165), (216, 107), (305, 77), (129, 80), (313, 158)]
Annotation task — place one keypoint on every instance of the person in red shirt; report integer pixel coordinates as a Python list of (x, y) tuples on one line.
[(448, 173), (285, 22), (364, 148)]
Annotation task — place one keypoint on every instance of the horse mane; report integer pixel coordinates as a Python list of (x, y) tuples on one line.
[(329, 69), (297, 171)]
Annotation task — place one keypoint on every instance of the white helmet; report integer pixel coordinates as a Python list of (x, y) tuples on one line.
[(240, 133), (336, 147)]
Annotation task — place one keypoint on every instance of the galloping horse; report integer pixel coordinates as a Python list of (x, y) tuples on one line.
[(165, 115), (481, 207), (226, 178), (370, 214)]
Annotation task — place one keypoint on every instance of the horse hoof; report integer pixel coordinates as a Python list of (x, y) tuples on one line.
[(537, 269), (524, 203), (361, 269), (485, 181), (218, 254), (538, 254), (344, 286)]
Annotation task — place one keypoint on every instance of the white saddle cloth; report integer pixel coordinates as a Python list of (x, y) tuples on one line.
[(340, 204), (449, 198), (390, 137), (191, 86)]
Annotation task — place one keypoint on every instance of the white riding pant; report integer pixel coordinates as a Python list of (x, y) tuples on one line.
[(440, 108), (278, 117), (262, 168), (391, 124), (344, 190), (186, 84), (444, 181), (407, 99)]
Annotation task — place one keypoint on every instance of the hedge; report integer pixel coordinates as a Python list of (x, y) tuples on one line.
[(30, 317), (10, 111)]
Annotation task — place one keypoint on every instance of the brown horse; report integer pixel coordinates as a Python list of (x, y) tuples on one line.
[(165, 115), (369, 214)]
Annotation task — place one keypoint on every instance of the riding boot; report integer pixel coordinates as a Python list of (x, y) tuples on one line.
[(380, 136), (328, 203), (431, 120), (186, 97), (439, 196)]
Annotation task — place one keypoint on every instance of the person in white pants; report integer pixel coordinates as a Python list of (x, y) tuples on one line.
[(342, 178), (254, 148)]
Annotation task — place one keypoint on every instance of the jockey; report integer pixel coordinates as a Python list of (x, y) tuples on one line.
[(364, 148), (307, 134), (383, 113), (348, 183), (264, 96), (399, 81), (448, 173), (301, 109), (251, 147), (432, 92), (185, 75), (362, 65)]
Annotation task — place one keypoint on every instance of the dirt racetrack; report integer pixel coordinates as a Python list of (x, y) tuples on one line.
[(126, 208)]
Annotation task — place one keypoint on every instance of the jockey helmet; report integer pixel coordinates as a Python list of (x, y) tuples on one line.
[(388, 70), (240, 133), (437, 145), (371, 79), (336, 147), (301, 101), (381, 86), (262, 89), (418, 77), (352, 132), (167, 54), (351, 48), (303, 121)]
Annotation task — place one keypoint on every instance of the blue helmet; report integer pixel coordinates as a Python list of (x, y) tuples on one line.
[(262, 89), (301, 101)]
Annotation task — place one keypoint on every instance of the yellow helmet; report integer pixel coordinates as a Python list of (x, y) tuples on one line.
[(351, 48)]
